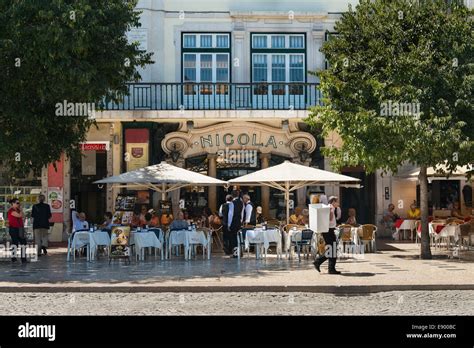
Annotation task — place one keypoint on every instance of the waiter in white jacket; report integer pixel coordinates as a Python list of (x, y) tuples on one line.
[(330, 240)]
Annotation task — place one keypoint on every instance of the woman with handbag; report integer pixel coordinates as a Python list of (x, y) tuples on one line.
[(16, 228)]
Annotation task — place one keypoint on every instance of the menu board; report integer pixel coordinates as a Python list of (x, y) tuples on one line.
[(120, 242), (125, 202)]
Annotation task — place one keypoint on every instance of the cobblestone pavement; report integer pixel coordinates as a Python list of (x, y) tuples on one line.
[(244, 303)]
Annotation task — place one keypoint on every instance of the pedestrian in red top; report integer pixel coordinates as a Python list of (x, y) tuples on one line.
[(16, 228)]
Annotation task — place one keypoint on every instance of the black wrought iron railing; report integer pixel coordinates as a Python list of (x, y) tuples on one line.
[(218, 96)]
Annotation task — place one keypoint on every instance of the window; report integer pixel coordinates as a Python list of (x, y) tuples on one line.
[(213, 68), (277, 67), (189, 41), (278, 41), (206, 40), (259, 41), (206, 63), (222, 41), (296, 41)]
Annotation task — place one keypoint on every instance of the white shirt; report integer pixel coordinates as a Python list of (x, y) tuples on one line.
[(77, 224), (248, 212), (332, 222), (323, 199)]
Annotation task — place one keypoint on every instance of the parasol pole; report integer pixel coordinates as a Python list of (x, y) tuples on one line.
[(287, 197)]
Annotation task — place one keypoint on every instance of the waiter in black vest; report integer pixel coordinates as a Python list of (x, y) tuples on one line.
[(226, 222), (236, 224), (250, 214)]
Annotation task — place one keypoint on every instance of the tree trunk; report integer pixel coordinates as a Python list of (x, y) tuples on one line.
[(425, 236)]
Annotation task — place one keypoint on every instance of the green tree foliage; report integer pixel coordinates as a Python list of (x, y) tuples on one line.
[(388, 58), (55, 51)]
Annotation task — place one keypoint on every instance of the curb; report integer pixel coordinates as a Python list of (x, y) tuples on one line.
[(347, 289)]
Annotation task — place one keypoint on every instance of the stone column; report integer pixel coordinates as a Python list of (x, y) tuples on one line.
[(212, 190), (265, 157), (110, 171)]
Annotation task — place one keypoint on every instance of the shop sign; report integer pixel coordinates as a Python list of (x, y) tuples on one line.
[(136, 155), (243, 139), (95, 146)]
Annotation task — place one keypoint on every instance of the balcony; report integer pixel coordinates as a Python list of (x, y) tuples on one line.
[(218, 96)]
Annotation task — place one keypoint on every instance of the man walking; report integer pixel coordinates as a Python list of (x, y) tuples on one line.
[(41, 214), (330, 240), (236, 221), (226, 212)]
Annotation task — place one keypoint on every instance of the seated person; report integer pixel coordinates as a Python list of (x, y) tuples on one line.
[(155, 219), (351, 220), (179, 223), (135, 220), (304, 218), (456, 211), (389, 217), (108, 221), (296, 216), (148, 217), (414, 213), (166, 219), (260, 219), (79, 221)]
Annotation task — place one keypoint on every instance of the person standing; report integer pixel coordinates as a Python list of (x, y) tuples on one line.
[(250, 216), (41, 213), (226, 212), (16, 228), (330, 240), (236, 221)]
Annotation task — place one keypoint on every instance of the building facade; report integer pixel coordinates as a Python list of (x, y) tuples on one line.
[(227, 95)]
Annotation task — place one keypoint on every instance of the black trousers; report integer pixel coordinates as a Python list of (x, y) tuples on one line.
[(331, 250), (234, 230), (16, 240), (226, 239)]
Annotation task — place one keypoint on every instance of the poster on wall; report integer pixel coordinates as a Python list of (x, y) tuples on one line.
[(136, 155), (55, 199)]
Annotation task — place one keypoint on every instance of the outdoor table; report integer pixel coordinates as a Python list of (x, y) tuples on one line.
[(144, 240), (198, 237), (263, 238), (407, 224), (90, 239), (175, 237), (95, 239)]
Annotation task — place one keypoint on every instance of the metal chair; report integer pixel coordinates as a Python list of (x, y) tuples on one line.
[(302, 240), (241, 241), (465, 230)]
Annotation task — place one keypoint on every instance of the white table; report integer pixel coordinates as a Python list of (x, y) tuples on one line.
[(198, 238), (176, 237), (407, 225), (90, 239), (144, 240), (263, 238), (97, 238)]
